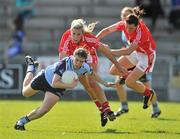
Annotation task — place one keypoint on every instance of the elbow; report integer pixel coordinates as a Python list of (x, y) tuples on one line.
[(128, 52)]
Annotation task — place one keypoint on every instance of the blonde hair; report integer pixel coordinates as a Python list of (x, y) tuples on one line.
[(81, 24), (125, 10), (137, 11)]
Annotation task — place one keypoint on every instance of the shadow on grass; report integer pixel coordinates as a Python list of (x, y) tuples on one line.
[(114, 131), (167, 119), (161, 119), (160, 132), (107, 131)]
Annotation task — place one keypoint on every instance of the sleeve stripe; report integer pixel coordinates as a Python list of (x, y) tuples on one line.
[(65, 47), (138, 36), (92, 40)]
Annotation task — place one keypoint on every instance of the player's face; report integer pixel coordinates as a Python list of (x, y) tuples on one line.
[(76, 35), (130, 28), (78, 62)]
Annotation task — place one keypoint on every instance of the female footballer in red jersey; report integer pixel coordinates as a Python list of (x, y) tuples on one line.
[(145, 79), (81, 35), (142, 45)]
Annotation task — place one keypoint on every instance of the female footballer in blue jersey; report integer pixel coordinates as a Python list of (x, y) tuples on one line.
[(49, 81)]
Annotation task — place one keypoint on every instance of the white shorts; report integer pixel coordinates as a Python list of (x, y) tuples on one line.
[(142, 61)]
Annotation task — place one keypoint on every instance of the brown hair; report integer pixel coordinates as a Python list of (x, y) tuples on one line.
[(138, 11), (81, 52)]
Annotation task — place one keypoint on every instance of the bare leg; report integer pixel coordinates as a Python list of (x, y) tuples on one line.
[(100, 94), (98, 90), (131, 81), (31, 68), (49, 101), (83, 80), (121, 92), (27, 91)]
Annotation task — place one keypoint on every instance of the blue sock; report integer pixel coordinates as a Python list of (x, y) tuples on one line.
[(155, 107), (24, 120), (31, 68), (124, 105)]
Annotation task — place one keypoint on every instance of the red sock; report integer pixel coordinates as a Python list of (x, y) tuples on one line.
[(98, 104), (106, 107), (147, 92)]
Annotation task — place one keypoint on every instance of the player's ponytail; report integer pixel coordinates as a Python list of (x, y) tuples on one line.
[(138, 11), (90, 27)]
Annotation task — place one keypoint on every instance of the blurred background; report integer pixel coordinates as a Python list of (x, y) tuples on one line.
[(35, 27)]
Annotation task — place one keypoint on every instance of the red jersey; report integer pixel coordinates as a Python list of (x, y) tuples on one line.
[(141, 37), (88, 41)]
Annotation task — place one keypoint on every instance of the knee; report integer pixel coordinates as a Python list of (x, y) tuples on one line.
[(25, 93), (112, 71), (129, 83), (118, 85)]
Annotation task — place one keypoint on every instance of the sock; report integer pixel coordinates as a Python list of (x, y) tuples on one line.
[(24, 120), (124, 105), (147, 92), (98, 104), (155, 107), (106, 107), (30, 68)]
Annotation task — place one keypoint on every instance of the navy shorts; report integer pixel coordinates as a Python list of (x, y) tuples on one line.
[(40, 83)]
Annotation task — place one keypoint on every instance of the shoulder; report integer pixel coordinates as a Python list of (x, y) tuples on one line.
[(90, 38), (66, 37), (67, 32), (66, 59), (87, 67), (121, 22), (89, 35), (120, 25)]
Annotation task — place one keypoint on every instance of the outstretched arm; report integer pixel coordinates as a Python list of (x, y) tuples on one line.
[(108, 30), (124, 51), (106, 51), (101, 81)]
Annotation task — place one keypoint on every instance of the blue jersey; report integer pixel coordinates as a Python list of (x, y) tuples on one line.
[(65, 64)]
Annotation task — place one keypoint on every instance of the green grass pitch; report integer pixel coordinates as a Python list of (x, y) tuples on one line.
[(81, 120)]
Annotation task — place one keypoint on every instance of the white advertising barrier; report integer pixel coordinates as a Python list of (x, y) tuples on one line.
[(11, 77), (104, 65)]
